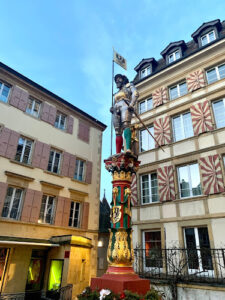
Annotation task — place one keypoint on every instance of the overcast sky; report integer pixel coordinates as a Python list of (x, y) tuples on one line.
[(66, 46)]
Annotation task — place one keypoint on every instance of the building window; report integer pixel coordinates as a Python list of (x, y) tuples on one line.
[(189, 181), (152, 249), (146, 140), (79, 170), (149, 188), (215, 73), (24, 149), (182, 127), (219, 113), (60, 121), (145, 72), (178, 90), (12, 204), (173, 56), (208, 38), (145, 105), (54, 161), (33, 107), (47, 209), (198, 249), (4, 92), (74, 220)]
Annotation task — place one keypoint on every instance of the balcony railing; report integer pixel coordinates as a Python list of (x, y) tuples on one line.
[(181, 265)]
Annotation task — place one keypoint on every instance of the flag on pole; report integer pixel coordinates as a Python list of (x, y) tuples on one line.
[(120, 60)]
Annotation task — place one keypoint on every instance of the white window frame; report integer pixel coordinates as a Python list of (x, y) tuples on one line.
[(11, 203), (217, 73), (182, 126), (207, 37), (146, 105), (1, 90), (198, 249), (149, 187), (223, 100), (23, 150), (45, 211), (189, 180), (73, 216), (60, 115), (173, 56), (178, 90), (53, 160), (145, 72), (84, 169), (31, 112), (140, 139)]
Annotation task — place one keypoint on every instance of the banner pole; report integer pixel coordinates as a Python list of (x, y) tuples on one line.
[(112, 106)]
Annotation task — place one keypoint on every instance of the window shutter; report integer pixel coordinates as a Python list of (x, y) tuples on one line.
[(201, 117), (160, 96), (70, 124), (52, 115), (88, 172), (65, 164), (12, 145), (85, 214), (84, 131), (72, 166), (19, 98), (36, 206), (162, 131), (3, 190), (166, 183), (45, 112), (4, 140), (134, 198), (15, 96), (195, 80), (59, 211), (36, 160), (45, 157), (66, 212), (27, 206), (211, 174)]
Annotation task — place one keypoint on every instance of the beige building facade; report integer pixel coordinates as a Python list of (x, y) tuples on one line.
[(181, 188), (50, 154)]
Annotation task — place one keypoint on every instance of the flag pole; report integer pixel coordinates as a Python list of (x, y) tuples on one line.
[(112, 104)]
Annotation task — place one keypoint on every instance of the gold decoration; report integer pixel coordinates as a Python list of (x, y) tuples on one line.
[(121, 252), (109, 252), (122, 176), (128, 211), (116, 214), (131, 247), (115, 194)]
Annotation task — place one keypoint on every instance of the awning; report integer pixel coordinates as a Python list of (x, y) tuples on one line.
[(27, 241)]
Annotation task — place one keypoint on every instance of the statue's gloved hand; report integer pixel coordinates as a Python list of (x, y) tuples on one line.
[(111, 110), (130, 108)]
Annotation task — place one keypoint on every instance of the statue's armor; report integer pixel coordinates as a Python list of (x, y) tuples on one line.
[(121, 115)]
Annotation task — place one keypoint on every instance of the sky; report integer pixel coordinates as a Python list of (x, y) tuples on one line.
[(66, 46)]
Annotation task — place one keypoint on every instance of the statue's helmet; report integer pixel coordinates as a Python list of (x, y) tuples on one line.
[(123, 77)]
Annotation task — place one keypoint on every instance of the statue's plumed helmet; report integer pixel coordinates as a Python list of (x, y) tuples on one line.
[(124, 78)]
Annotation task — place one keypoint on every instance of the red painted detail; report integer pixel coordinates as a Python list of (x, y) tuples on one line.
[(119, 270), (160, 96), (166, 183), (119, 143), (67, 254), (117, 283), (162, 131), (195, 80)]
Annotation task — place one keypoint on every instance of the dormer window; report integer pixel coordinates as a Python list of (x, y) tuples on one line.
[(145, 72), (174, 56), (208, 38)]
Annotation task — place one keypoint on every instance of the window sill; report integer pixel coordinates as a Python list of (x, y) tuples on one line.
[(78, 181), (55, 174), (21, 164)]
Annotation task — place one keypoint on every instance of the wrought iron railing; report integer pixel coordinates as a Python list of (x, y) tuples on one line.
[(64, 293), (181, 265)]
